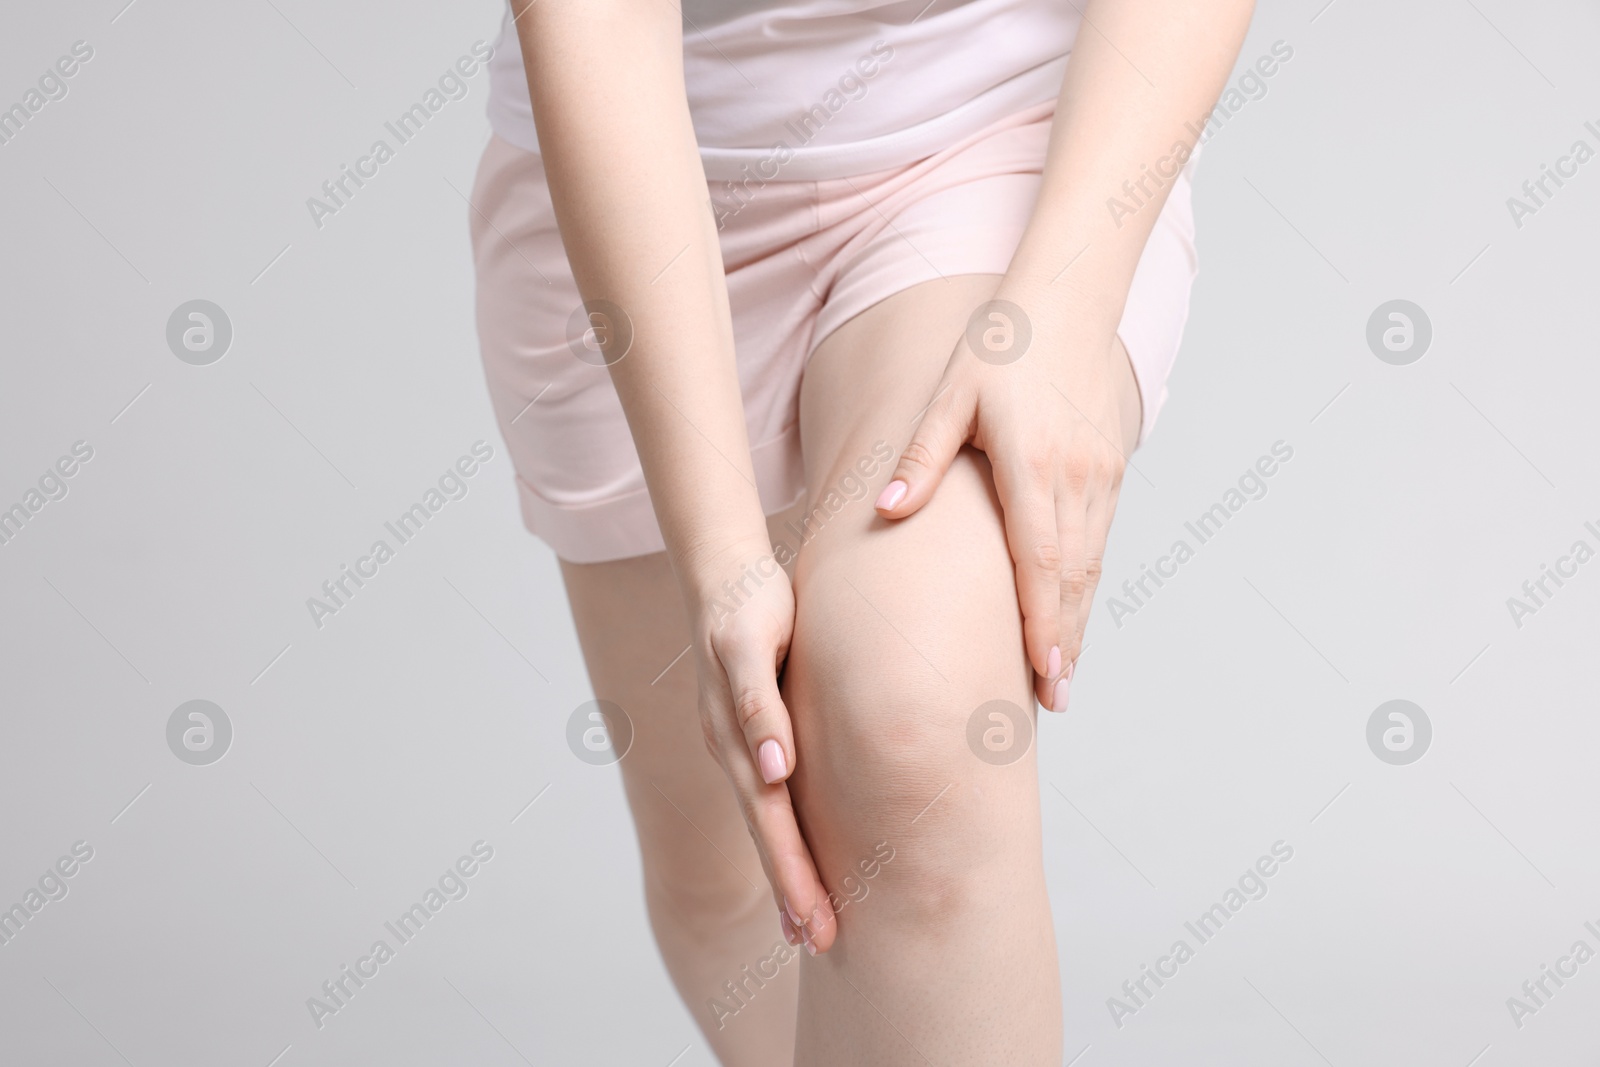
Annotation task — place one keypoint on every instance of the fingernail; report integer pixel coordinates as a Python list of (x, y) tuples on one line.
[(806, 939), (1059, 704), (794, 916), (892, 494), (1052, 665), (770, 756), (789, 933)]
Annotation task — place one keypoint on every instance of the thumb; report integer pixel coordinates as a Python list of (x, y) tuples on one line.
[(945, 427), (759, 710)]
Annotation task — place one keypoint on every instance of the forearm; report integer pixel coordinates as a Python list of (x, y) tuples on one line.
[(629, 192), (1144, 75)]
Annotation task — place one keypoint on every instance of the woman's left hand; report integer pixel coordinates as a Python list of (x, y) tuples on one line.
[(1047, 395)]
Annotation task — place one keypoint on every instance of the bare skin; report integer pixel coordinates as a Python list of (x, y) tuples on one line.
[(885, 733), (708, 900), (903, 630), (968, 581)]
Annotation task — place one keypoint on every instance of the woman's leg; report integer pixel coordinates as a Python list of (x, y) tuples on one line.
[(708, 899), (904, 631)]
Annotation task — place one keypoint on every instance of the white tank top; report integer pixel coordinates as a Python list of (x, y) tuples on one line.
[(818, 89)]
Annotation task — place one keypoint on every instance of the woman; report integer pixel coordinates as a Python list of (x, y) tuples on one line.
[(813, 253)]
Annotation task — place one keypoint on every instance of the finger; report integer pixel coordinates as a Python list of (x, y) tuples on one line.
[(758, 779), (1072, 521), (945, 427), (802, 896), (1044, 684), (1055, 694), (1101, 511), (1044, 688), (1027, 502), (797, 888)]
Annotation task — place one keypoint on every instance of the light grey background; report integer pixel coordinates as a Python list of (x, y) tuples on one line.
[(1228, 714)]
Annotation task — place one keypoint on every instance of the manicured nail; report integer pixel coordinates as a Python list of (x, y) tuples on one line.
[(789, 933), (892, 494), (770, 756), (1052, 665), (794, 916), (806, 940), (1059, 704)]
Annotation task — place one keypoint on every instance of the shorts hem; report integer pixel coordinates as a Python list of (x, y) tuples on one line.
[(624, 526)]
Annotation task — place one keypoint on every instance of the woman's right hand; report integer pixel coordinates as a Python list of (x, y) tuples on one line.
[(743, 626)]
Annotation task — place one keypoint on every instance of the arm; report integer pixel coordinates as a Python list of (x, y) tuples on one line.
[(1143, 76), (606, 79), (629, 191), (1055, 422)]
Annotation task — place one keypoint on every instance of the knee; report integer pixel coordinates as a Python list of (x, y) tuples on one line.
[(892, 798), (701, 899), (699, 867)]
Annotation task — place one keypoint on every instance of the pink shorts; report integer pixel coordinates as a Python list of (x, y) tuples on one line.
[(802, 258)]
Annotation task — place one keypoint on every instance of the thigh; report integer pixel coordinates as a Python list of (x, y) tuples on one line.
[(906, 634), (903, 630)]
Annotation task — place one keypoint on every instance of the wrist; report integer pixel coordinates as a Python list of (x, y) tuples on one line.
[(1056, 299), (718, 578), (1067, 317), (1067, 281)]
